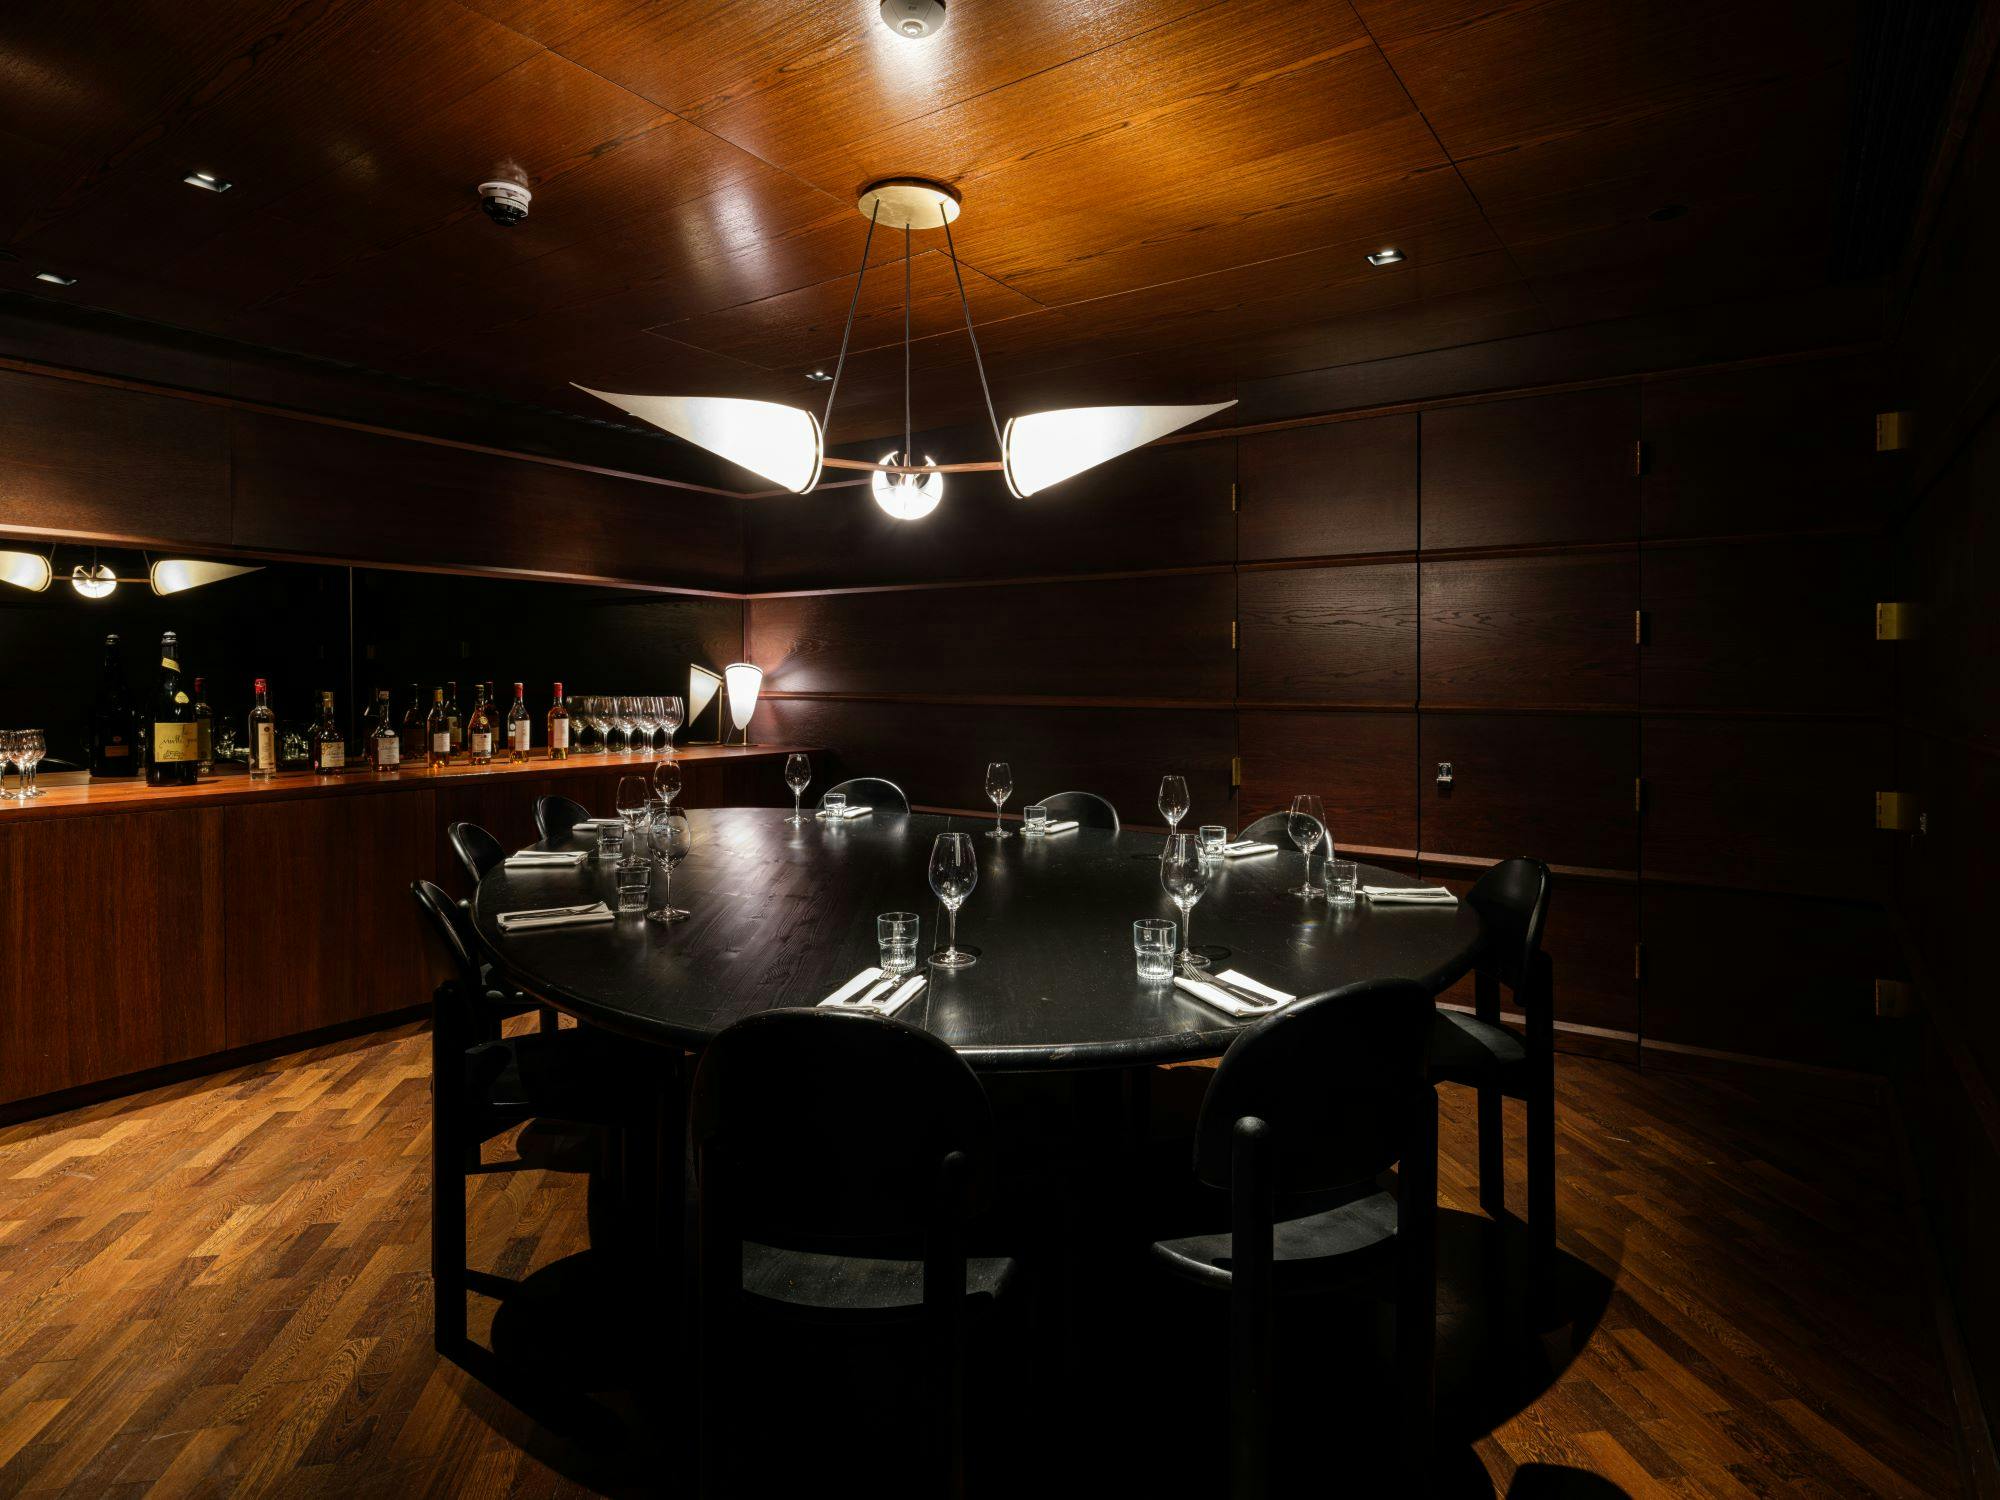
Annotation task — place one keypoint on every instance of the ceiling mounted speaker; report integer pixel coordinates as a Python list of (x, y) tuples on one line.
[(913, 18)]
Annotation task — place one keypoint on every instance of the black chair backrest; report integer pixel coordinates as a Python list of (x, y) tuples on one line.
[(872, 791), (477, 850), (834, 1124), (1336, 1077), (1512, 900), (556, 816), (1089, 809), (1274, 828), (448, 935)]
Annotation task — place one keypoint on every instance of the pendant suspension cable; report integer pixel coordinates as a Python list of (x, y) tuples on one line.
[(848, 332), (909, 457), (979, 363)]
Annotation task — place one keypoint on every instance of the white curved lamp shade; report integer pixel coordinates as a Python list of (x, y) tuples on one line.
[(703, 685), (93, 581), (26, 570), (907, 497), (1047, 447), (778, 443), (744, 682), (170, 575)]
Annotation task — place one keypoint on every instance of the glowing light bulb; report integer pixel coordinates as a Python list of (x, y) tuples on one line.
[(907, 497)]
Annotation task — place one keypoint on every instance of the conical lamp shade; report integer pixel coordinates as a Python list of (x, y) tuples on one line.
[(1047, 447), (26, 570), (170, 575), (779, 443)]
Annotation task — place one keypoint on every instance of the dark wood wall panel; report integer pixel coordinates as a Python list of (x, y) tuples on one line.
[(937, 752), (1776, 625), (1557, 786), (75, 1008), (1541, 470), (1545, 631), (1157, 507), (1073, 639), (1328, 491), (1766, 804), (1358, 764), (332, 492), (1592, 938), (1781, 448), (92, 460), (1329, 635)]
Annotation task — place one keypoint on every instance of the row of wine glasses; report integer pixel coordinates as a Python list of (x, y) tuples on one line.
[(22, 748), (627, 725)]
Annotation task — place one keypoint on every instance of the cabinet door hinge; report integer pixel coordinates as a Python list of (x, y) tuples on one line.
[(1896, 811), (1638, 794), (1232, 635), (1892, 998), (1638, 458), (1235, 771), (1638, 627), (1892, 431), (1895, 620), (1232, 499)]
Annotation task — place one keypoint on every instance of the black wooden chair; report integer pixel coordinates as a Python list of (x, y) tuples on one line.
[(1089, 809), (1512, 900), (872, 791), (556, 816), (478, 851), (863, 1147), (1274, 828), (1312, 1105), (482, 1086)]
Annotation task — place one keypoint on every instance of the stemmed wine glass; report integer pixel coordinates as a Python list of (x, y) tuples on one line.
[(9, 751), (1184, 877), (667, 781), (673, 713), (999, 787), (1173, 801), (30, 745), (798, 776), (631, 805), (1307, 826), (669, 837), (646, 720), (591, 711), (954, 872)]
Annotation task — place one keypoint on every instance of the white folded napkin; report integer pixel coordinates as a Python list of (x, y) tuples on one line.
[(1063, 827), (1409, 895), (555, 916), (875, 986), (528, 859), (1247, 846), (1235, 1005), (848, 812), (601, 823)]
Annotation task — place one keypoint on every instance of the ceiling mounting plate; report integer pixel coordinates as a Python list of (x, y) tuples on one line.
[(909, 203)]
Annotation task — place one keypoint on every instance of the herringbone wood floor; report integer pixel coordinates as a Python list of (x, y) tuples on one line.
[(220, 1288)]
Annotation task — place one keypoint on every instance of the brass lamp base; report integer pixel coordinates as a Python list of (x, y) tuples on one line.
[(908, 203)]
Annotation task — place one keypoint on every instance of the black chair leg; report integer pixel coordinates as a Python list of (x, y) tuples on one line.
[(1251, 1298), (1541, 1102), (545, 1017), (1416, 1296), (944, 1321), (449, 1141), (1492, 1141), (718, 1287)]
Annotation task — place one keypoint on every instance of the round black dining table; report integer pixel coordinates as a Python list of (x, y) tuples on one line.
[(782, 916)]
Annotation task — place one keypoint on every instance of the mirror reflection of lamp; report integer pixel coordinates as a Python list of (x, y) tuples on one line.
[(173, 575), (744, 682), (704, 687), (26, 570)]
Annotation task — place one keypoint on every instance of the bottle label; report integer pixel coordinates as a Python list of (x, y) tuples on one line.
[(114, 751), (207, 743), (265, 756), (175, 742), (482, 742), (520, 733), (332, 757), (388, 752), (167, 663), (441, 742), (559, 734)]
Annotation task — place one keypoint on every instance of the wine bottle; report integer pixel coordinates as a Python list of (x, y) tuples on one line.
[(414, 742), (113, 734), (326, 744), (204, 727), (520, 728), (452, 714), (385, 746), (437, 731), (263, 736), (174, 754), (558, 726), (479, 728)]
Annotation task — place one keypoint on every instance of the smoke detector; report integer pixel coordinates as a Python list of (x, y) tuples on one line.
[(505, 203), (913, 18)]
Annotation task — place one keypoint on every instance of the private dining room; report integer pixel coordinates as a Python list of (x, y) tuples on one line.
[(1321, 737)]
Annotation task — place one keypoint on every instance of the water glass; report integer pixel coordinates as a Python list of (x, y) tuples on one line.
[(634, 879), (896, 935), (1035, 819), (1213, 838), (1153, 940), (833, 807), (1340, 877)]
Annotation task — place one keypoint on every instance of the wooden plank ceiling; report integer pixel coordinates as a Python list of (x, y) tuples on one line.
[(1162, 196)]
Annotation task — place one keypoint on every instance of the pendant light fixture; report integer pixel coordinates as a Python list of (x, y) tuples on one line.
[(788, 446)]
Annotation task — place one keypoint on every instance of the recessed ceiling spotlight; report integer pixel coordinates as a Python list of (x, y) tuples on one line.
[(1668, 211), (1387, 257), (208, 181), (55, 278), (913, 18), (820, 375)]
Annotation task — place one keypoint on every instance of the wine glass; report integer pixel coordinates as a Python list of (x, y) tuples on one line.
[(673, 714), (586, 711), (644, 722), (29, 747), (669, 837), (954, 872), (798, 776), (1184, 877), (667, 781), (9, 740), (631, 805), (999, 787), (1173, 801), (1307, 826)]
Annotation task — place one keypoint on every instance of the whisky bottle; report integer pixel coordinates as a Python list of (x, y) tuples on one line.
[(479, 729), (263, 736), (520, 728), (385, 746), (327, 745), (173, 756), (114, 734), (558, 726), (437, 731), (456, 719)]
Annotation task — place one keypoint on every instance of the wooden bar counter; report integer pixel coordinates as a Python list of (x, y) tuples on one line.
[(149, 927)]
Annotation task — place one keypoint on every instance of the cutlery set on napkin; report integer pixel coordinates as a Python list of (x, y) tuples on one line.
[(546, 859), (1234, 992), (1408, 895), (1242, 847), (846, 812), (555, 916), (1063, 827), (874, 990)]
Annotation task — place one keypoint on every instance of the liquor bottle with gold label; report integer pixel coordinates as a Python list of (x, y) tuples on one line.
[(479, 728), (173, 756), (326, 744), (385, 746), (437, 732)]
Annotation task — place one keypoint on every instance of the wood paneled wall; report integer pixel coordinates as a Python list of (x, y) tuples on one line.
[(1636, 619)]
